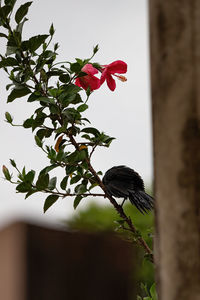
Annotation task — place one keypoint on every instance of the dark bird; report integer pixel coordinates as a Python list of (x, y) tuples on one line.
[(124, 182)]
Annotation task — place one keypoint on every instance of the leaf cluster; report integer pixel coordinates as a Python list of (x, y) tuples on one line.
[(58, 124), (35, 74), (151, 293)]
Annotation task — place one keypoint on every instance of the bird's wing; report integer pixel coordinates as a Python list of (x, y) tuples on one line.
[(126, 174), (116, 189)]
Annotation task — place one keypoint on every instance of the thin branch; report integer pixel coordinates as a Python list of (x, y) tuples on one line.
[(93, 148), (118, 207), (63, 195)]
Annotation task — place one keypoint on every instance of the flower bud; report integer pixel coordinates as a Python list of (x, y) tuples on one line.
[(6, 173), (8, 117)]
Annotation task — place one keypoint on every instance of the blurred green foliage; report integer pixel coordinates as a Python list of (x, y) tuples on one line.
[(96, 217)]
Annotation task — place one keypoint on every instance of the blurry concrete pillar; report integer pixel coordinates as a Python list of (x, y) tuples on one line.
[(38, 264), (175, 74)]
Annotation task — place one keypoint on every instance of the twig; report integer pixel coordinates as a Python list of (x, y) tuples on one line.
[(74, 194), (93, 148), (118, 207)]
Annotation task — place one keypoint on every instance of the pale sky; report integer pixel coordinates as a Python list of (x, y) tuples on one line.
[(121, 30)]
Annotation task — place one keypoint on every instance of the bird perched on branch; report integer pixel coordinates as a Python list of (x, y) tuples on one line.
[(124, 182)]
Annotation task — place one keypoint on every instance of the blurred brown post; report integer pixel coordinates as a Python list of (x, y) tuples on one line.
[(39, 263), (12, 263), (175, 74)]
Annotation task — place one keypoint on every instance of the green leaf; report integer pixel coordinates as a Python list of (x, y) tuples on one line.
[(14, 42), (36, 41), (23, 187), (108, 141), (77, 200), (86, 136), (42, 182), (9, 118), (52, 183), (3, 35), (93, 186), (71, 89), (31, 192), (54, 92), (144, 287), (64, 78), (79, 61), (47, 169), (22, 11), (75, 67), (52, 154), (71, 114), (46, 100), (8, 62), (73, 157), (33, 97), (29, 176), (82, 107), (38, 141), (28, 123), (50, 200), (88, 91), (8, 86), (41, 133), (70, 169), (10, 2), (80, 189), (54, 109), (83, 154), (4, 12), (11, 50), (63, 183), (91, 130), (153, 292), (56, 46), (75, 179), (18, 94), (23, 171)]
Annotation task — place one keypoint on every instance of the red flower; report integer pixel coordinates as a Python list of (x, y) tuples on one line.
[(88, 81), (117, 66)]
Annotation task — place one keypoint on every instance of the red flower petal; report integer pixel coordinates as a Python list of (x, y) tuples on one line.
[(103, 76), (77, 82), (88, 81), (110, 82), (89, 69), (117, 66)]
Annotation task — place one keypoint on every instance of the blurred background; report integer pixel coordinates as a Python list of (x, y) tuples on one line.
[(121, 30)]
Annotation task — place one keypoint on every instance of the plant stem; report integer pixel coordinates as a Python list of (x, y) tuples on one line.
[(141, 242)]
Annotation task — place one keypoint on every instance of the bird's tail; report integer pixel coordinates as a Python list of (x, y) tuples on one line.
[(141, 200)]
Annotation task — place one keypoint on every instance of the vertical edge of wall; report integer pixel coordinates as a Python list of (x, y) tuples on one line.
[(175, 81), (12, 262)]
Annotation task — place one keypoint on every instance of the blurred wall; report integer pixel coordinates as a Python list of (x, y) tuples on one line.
[(39, 263)]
